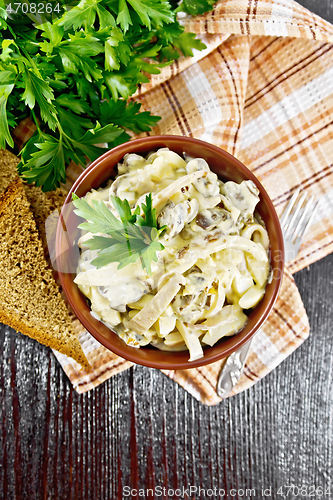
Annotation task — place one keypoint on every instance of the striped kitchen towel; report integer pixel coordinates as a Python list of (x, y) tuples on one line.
[(262, 90)]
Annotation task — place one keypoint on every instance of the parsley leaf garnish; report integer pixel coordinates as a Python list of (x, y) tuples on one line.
[(188, 41), (126, 240), (196, 7)]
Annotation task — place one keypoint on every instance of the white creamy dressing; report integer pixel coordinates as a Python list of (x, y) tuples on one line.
[(215, 253)]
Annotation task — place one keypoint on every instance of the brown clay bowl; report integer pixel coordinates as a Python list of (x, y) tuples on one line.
[(226, 167)]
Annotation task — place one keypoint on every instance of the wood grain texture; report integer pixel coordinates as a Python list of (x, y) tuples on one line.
[(140, 429)]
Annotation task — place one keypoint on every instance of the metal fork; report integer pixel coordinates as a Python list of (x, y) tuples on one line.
[(295, 222)]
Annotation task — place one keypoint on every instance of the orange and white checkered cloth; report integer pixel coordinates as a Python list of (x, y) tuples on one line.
[(262, 90)]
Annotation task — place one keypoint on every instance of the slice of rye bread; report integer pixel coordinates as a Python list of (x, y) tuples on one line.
[(30, 300), (42, 204)]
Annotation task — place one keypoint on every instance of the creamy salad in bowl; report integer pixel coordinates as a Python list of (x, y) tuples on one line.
[(197, 253)]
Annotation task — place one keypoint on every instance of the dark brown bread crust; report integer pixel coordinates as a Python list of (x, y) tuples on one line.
[(29, 297), (8, 170), (42, 204)]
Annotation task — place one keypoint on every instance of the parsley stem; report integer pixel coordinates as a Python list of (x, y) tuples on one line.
[(35, 120), (27, 55), (67, 141)]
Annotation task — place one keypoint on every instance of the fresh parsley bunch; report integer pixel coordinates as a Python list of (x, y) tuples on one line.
[(74, 74), (131, 238)]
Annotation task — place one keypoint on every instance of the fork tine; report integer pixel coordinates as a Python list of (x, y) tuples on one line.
[(289, 207), (295, 215), (310, 220), (302, 219)]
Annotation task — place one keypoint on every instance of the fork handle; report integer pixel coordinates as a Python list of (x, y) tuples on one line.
[(232, 370)]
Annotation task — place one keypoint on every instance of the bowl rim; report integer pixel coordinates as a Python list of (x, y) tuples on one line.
[(131, 355)]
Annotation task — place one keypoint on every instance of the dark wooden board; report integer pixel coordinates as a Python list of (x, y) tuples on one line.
[(141, 430)]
